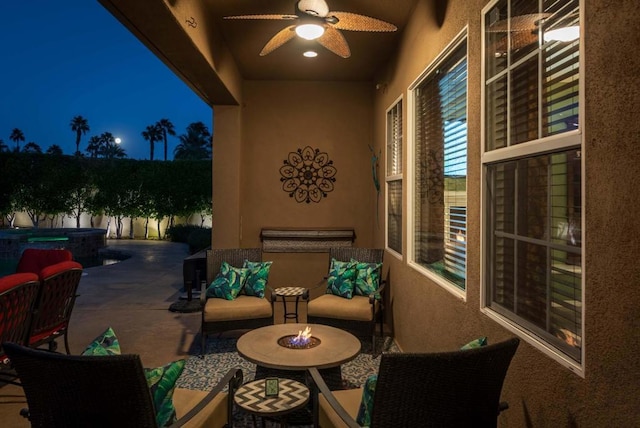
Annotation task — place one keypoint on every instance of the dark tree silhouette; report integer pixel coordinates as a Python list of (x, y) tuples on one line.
[(80, 126), (17, 136), (152, 134), (167, 128)]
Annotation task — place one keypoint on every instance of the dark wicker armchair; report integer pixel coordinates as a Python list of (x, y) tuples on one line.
[(56, 299), (108, 391), (451, 389), (18, 294), (358, 314), (244, 312)]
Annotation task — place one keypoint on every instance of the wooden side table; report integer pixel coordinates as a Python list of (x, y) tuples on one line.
[(292, 396), (285, 292)]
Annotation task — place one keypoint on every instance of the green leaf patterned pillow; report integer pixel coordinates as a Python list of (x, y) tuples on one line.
[(105, 344), (162, 382), (366, 404), (341, 279), (367, 279), (257, 278), (477, 343), (228, 282)]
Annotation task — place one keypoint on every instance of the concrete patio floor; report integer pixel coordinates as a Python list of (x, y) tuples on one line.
[(133, 297)]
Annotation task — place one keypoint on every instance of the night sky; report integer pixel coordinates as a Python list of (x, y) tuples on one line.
[(72, 57)]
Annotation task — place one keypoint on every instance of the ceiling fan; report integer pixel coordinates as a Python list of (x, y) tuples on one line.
[(316, 22), (524, 29)]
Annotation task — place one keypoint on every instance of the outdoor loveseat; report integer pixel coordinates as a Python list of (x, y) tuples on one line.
[(244, 311)]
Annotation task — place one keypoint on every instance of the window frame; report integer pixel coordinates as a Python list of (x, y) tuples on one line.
[(392, 178), (573, 139), (455, 43)]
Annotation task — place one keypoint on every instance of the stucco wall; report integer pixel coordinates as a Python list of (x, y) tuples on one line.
[(277, 118), (540, 391)]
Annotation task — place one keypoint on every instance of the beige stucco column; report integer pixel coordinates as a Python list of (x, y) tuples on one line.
[(226, 173)]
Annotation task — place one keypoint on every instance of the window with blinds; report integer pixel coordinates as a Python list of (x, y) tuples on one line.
[(394, 177), (440, 170), (533, 204)]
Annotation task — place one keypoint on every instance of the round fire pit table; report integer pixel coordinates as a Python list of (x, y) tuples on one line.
[(335, 347)]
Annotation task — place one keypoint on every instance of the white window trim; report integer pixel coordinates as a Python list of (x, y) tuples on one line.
[(410, 168), (394, 177), (570, 139)]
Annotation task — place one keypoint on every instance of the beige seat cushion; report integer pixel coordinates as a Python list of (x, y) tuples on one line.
[(349, 399), (241, 308), (214, 415), (332, 306)]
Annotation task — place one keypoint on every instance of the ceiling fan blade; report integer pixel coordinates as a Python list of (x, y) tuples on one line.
[(355, 22), (333, 40), (273, 17), (527, 22), (519, 40), (281, 37)]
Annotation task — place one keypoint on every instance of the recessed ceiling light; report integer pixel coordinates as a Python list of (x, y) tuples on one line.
[(310, 54)]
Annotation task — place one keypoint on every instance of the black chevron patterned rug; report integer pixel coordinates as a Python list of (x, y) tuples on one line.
[(204, 372)]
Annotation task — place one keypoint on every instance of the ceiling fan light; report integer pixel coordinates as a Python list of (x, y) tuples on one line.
[(564, 34), (310, 54), (310, 31)]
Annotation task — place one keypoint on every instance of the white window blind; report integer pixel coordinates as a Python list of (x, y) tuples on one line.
[(394, 178)]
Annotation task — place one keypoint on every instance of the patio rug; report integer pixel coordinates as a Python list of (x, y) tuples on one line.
[(203, 373)]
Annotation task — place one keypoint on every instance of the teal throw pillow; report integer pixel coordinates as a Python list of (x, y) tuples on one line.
[(105, 344), (341, 279), (257, 278), (366, 404), (162, 382), (477, 343), (367, 279), (228, 282)]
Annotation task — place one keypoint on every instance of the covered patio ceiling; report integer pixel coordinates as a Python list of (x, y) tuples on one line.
[(157, 25)]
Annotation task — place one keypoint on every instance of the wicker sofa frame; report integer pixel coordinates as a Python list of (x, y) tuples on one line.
[(361, 327), (235, 257)]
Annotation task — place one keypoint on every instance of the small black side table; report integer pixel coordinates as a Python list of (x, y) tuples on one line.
[(285, 292)]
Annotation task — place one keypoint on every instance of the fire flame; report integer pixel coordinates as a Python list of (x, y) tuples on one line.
[(303, 337)]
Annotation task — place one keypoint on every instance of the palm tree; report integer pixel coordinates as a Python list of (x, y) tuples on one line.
[(195, 144), (152, 134), (93, 148), (80, 126), (17, 136), (3, 146), (31, 147), (166, 127), (108, 147), (54, 150)]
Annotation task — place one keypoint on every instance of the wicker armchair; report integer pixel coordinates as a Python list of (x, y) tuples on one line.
[(18, 294), (56, 299), (451, 389), (108, 391), (359, 313), (244, 312)]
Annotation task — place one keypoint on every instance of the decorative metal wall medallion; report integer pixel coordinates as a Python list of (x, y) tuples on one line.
[(308, 175)]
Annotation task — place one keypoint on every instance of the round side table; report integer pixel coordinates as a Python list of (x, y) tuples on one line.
[(292, 395), (285, 292)]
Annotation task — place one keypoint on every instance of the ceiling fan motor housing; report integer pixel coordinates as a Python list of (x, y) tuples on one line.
[(314, 7)]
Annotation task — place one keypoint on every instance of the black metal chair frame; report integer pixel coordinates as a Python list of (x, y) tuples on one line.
[(449, 389), (235, 257), (368, 328), (97, 391)]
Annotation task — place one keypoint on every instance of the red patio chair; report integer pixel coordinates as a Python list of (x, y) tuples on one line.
[(54, 304), (18, 294), (35, 259)]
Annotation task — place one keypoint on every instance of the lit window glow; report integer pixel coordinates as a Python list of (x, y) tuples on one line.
[(564, 34)]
